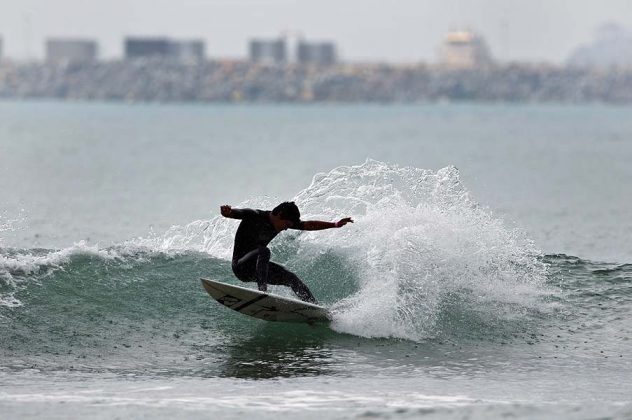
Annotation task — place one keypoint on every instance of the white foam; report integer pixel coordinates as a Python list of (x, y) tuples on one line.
[(418, 238), (214, 236), (29, 263), (17, 267), (10, 224)]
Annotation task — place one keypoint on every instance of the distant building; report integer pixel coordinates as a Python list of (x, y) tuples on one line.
[(268, 51), (318, 53), (71, 50), (464, 50), (164, 48), (187, 50), (146, 47), (612, 47)]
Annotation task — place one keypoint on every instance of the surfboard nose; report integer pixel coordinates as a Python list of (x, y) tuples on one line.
[(207, 285)]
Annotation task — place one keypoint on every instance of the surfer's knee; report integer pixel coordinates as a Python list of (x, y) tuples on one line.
[(240, 273), (242, 276), (236, 270)]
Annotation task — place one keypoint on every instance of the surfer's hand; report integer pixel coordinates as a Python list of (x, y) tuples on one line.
[(344, 221), (225, 210)]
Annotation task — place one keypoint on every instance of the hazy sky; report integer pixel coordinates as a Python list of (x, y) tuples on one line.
[(396, 30)]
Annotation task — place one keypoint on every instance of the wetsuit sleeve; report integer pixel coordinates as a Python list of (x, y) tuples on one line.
[(242, 213)]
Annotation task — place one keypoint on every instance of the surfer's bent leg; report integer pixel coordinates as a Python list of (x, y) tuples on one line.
[(253, 266), (262, 268), (279, 275)]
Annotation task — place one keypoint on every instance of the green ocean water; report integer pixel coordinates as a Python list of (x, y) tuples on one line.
[(488, 273)]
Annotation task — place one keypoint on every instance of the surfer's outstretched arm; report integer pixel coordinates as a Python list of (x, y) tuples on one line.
[(318, 225), (228, 211)]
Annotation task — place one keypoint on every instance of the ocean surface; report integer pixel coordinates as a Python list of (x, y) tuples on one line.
[(488, 273)]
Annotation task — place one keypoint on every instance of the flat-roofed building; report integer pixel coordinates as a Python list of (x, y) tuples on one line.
[(464, 50), (139, 47), (187, 50), (71, 50), (162, 47), (268, 51), (317, 53)]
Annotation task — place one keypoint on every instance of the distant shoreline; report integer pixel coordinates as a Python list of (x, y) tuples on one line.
[(168, 81)]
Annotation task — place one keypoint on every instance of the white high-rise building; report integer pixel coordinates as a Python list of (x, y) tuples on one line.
[(464, 50)]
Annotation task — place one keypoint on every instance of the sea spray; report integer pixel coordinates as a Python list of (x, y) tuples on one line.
[(10, 223), (214, 236), (420, 246)]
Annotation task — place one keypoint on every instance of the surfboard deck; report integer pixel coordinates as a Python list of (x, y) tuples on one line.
[(266, 306)]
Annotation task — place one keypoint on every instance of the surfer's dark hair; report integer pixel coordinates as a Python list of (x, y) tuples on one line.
[(288, 211)]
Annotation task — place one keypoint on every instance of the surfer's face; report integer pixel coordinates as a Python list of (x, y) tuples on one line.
[(285, 224), (279, 223)]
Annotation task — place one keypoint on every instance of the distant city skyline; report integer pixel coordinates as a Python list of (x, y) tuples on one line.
[(369, 30)]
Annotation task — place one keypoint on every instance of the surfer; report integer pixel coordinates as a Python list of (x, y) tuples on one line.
[(251, 255)]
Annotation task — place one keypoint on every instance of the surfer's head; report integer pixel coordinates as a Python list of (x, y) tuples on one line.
[(288, 211)]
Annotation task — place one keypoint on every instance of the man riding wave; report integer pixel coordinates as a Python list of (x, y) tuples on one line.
[(251, 255)]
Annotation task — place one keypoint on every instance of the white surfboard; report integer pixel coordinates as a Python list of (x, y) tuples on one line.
[(265, 306)]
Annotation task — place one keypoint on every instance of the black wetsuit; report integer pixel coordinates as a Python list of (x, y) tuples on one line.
[(251, 256)]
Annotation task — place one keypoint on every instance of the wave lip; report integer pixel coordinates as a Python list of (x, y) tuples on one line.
[(21, 268)]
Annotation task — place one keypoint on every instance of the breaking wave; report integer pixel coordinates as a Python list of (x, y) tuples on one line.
[(422, 259)]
